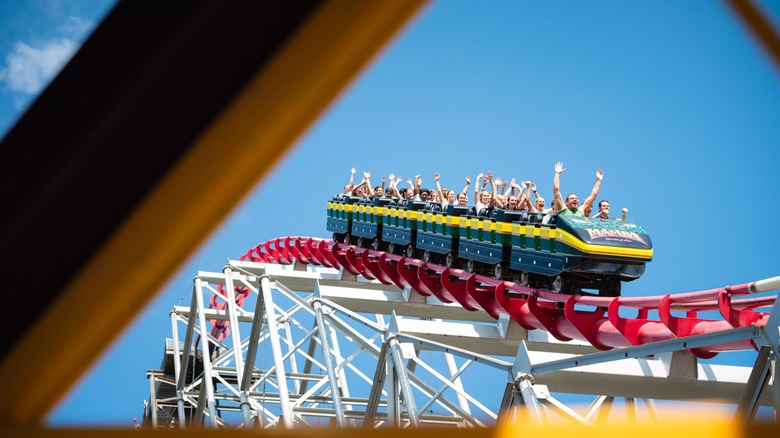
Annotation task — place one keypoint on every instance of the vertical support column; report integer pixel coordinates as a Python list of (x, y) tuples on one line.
[(207, 382), (452, 367), (759, 376), (236, 339), (188, 334), (335, 391), (606, 407), (775, 390), (293, 361), (403, 380), (177, 373), (523, 382), (375, 395), (153, 399), (342, 374), (276, 351), (631, 414), (393, 392), (652, 410), (771, 334)]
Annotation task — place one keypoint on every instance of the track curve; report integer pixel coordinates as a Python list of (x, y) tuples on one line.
[(601, 321)]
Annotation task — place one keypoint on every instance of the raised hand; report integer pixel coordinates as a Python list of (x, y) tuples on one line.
[(559, 168), (600, 174)]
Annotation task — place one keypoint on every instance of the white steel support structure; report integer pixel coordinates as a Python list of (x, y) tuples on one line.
[(321, 347)]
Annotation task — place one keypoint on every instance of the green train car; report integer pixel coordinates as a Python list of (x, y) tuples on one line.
[(567, 254)]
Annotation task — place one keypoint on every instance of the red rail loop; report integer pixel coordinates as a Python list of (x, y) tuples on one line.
[(555, 313)]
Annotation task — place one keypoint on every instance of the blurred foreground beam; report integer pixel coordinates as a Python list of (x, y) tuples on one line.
[(759, 26), (166, 118)]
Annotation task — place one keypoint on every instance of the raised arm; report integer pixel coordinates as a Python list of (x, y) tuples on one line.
[(624, 212), (492, 183), (442, 195), (525, 196), (394, 185), (480, 177), (533, 189), (364, 183), (466, 187), (593, 193), (557, 198), (367, 179), (350, 185)]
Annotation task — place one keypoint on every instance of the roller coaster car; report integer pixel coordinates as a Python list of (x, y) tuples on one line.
[(567, 254)]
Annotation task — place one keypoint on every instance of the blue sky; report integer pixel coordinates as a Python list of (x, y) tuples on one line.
[(673, 100)]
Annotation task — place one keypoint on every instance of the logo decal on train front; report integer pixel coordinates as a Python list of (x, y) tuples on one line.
[(619, 235)]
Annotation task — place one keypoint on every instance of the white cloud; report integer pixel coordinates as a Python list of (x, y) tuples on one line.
[(76, 26), (28, 69)]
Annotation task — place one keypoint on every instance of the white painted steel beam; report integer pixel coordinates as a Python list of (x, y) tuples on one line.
[(312, 314)]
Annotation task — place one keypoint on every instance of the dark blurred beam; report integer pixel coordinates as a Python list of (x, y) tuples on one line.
[(157, 128), (761, 28)]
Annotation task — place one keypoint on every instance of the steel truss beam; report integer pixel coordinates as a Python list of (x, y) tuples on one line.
[(325, 348)]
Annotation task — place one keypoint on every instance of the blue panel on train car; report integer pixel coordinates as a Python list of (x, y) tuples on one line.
[(337, 225), (484, 252), (396, 235), (537, 262), (364, 229), (434, 242)]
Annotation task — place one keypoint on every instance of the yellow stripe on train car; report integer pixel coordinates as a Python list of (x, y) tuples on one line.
[(503, 227)]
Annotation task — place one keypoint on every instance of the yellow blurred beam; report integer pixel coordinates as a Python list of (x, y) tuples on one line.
[(704, 425), (248, 137)]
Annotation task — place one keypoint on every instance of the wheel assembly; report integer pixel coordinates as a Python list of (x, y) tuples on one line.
[(449, 261), (524, 278), (498, 271), (557, 284)]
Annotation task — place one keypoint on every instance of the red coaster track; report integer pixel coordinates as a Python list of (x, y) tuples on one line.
[(601, 321)]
